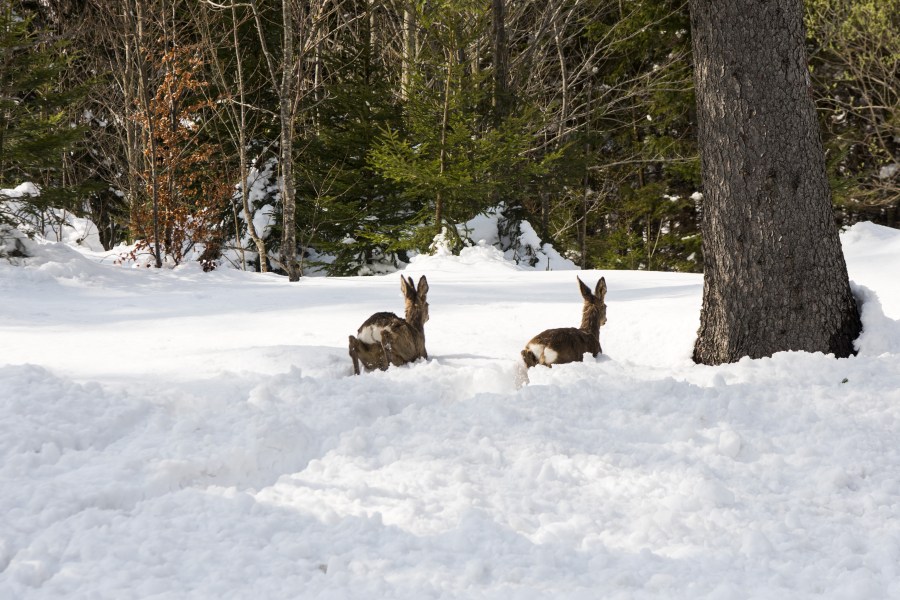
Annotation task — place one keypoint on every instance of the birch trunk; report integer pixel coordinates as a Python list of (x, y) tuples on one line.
[(242, 150)]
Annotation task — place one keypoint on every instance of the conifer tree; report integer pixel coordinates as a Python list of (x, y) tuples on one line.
[(453, 158), (855, 63), (347, 209), (34, 128)]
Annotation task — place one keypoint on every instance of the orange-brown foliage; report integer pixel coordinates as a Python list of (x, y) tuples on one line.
[(192, 181)]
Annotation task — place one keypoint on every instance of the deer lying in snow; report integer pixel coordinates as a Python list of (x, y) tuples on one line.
[(567, 344), (385, 339)]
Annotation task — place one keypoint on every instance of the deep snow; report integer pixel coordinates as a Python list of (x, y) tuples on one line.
[(178, 434)]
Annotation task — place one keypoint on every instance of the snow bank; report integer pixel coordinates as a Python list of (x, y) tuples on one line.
[(57, 225), (262, 192), (880, 335), (480, 259), (521, 246), (868, 249)]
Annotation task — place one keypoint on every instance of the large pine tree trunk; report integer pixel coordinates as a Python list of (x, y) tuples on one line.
[(775, 277)]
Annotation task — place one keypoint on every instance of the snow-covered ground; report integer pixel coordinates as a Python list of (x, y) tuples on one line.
[(179, 434)]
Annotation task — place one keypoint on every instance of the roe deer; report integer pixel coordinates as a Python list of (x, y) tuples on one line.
[(385, 339), (567, 344)]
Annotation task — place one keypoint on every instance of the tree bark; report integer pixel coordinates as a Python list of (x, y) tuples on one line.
[(409, 50), (130, 96), (445, 121), (135, 16), (242, 146), (501, 60), (287, 114), (775, 277)]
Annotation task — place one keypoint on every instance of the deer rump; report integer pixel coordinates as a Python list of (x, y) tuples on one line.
[(385, 339), (556, 346)]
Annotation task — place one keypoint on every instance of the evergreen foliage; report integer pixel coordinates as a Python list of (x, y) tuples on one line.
[(453, 157), (35, 128), (856, 68), (410, 118), (348, 210), (647, 148)]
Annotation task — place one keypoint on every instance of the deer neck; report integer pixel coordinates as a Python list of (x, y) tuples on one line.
[(415, 318), (590, 321)]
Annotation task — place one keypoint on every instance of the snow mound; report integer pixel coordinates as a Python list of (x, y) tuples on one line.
[(864, 235), (880, 334), (518, 241), (13, 244), (488, 249), (58, 225), (481, 258), (54, 262), (21, 190), (868, 249)]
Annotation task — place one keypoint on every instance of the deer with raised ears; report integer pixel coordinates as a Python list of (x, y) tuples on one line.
[(568, 344), (385, 339)]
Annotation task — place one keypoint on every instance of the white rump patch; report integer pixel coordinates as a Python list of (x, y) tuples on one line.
[(371, 334), (545, 354)]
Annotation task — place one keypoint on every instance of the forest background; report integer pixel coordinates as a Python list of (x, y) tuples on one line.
[(344, 135)]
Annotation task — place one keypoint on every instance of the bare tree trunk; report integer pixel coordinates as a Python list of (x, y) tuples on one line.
[(286, 162), (130, 92), (445, 122), (303, 24), (585, 200), (317, 84), (242, 147), (564, 90), (134, 14), (501, 98), (409, 49), (775, 277), (545, 215)]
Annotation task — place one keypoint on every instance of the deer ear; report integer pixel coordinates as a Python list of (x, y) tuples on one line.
[(600, 292), (423, 286), (407, 287), (585, 290)]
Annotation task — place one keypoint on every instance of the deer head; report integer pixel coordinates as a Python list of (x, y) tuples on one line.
[(594, 312), (416, 301)]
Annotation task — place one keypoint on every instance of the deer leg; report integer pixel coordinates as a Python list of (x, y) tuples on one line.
[(354, 354), (387, 347)]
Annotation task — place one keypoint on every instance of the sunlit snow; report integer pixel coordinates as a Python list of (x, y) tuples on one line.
[(179, 434)]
